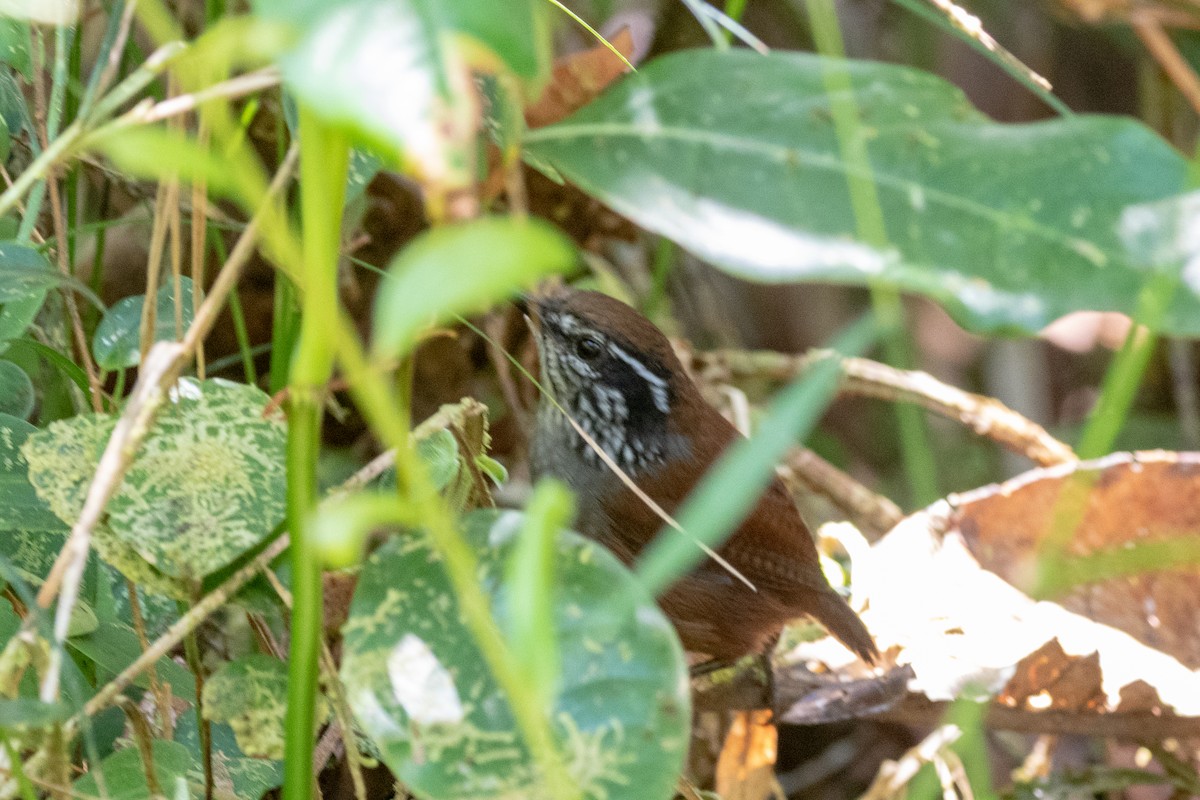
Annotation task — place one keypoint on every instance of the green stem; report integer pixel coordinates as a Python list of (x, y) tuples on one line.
[(917, 453), (734, 10), (245, 348), (324, 157), (1125, 373)]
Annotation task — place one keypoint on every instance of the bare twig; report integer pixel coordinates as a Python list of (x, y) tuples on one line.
[(233, 88), (895, 775), (1125, 725), (867, 509), (61, 249), (160, 690), (984, 415), (144, 738), (199, 237), (1150, 30), (167, 195), (114, 55)]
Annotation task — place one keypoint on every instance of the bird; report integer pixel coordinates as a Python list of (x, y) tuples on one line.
[(615, 373)]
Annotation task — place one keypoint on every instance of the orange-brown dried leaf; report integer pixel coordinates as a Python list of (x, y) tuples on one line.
[(1040, 669), (746, 767), (578, 79), (1111, 506), (1141, 696), (1080, 686)]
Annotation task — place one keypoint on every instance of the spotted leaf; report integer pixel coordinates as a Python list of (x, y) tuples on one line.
[(422, 692)]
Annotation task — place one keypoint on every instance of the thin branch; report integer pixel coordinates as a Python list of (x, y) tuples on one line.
[(867, 509), (233, 88), (199, 231), (1164, 51), (46, 130), (168, 192), (114, 57), (986, 416)]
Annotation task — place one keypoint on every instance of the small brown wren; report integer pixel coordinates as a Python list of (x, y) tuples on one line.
[(615, 373)]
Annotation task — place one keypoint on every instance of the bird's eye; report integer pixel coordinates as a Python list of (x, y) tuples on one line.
[(589, 348)]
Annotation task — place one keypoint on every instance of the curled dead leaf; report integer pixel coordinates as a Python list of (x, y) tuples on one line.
[(941, 593)]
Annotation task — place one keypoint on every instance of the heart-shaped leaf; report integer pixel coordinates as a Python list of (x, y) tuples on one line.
[(421, 690)]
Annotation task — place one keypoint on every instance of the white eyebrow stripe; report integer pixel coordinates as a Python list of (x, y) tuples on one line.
[(658, 387)]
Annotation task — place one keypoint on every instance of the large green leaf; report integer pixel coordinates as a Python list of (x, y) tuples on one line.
[(458, 269), (117, 341), (421, 690), (735, 156), (125, 776), (206, 486), (398, 72)]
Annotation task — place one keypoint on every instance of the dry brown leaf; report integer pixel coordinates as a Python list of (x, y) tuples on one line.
[(938, 596), (1126, 499), (746, 768)]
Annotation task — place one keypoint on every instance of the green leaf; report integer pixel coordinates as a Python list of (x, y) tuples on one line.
[(734, 156), (16, 391), (420, 688), (14, 45), (363, 167), (114, 646), (17, 315), (30, 534), (117, 341), (397, 73), (250, 695), (125, 777), (24, 713), (516, 33), (235, 775), (206, 486), (25, 272), (155, 151), (64, 365), (459, 269), (439, 451), (384, 72)]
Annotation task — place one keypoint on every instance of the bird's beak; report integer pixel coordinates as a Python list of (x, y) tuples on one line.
[(527, 304)]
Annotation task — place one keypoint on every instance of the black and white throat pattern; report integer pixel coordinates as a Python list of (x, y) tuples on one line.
[(622, 401)]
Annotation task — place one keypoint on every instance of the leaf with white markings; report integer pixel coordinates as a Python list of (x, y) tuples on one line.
[(735, 156), (421, 690)]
